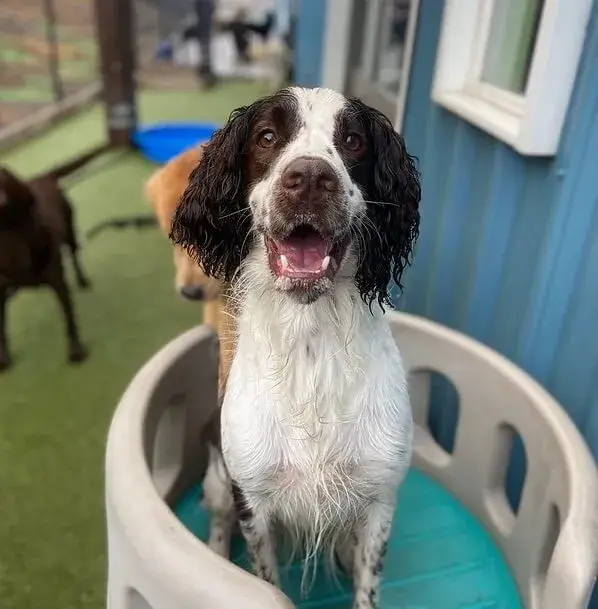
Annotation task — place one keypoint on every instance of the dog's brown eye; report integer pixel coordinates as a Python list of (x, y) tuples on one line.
[(353, 142), (267, 138)]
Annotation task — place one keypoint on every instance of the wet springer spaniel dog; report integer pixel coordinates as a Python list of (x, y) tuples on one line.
[(306, 203)]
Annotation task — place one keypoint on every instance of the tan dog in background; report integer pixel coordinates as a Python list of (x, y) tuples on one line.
[(163, 190)]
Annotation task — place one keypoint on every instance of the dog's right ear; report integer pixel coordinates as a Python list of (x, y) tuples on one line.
[(212, 220)]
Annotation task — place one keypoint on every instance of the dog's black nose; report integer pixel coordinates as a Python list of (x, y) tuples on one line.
[(309, 176), (191, 292)]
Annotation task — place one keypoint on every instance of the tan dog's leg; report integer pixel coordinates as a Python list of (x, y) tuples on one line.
[(227, 333), (218, 498)]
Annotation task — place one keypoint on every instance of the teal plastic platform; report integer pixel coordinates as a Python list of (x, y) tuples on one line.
[(439, 557)]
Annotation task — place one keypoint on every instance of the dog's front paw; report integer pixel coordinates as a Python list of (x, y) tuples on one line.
[(5, 362), (77, 353)]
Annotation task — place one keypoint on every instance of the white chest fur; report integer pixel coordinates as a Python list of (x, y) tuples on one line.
[(316, 418)]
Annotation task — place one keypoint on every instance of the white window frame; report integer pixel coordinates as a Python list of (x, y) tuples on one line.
[(532, 122)]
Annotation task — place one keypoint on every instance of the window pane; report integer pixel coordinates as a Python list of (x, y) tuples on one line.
[(511, 43), (392, 33), (358, 33)]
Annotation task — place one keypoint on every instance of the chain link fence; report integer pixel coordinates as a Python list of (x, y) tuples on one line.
[(156, 21), (49, 57), (49, 53), (165, 28)]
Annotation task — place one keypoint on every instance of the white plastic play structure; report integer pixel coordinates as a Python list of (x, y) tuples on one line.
[(155, 453)]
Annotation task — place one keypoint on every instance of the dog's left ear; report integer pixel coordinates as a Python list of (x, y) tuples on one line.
[(212, 221), (393, 192)]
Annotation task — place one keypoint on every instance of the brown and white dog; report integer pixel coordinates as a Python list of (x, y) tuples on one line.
[(306, 203)]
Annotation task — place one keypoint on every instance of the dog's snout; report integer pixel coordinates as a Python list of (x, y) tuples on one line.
[(308, 176), (192, 292)]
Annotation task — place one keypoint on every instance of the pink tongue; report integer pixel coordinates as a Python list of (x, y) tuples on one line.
[(304, 253)]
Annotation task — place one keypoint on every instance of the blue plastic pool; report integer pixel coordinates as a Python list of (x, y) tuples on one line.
[(163, 141), (439, 557)]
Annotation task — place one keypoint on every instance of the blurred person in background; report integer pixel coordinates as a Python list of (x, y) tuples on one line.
[(270, 19), (400, 17), (242, 19), (204, 10)]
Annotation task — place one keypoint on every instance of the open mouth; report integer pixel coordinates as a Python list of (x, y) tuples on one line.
[(305, 255)]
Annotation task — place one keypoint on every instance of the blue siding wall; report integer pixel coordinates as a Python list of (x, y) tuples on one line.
[(309, 42), (509, 245), (508, 251)]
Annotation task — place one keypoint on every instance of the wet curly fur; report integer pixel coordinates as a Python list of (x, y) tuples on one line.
[(213, 221), (316, 421)]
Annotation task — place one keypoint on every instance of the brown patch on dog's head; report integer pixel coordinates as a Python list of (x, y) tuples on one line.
[(164, 190)]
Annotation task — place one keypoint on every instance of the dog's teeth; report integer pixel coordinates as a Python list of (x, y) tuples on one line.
[(284, 262), (325, 263)]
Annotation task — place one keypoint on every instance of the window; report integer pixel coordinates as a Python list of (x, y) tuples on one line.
[(382, 74), (508, 66), (511, 42), (390, 46), (368, 51)]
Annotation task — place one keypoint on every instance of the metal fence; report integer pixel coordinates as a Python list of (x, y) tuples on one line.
[(155, 22), (48, 53), (49, 57)]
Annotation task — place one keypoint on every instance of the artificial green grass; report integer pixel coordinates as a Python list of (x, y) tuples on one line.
[(54, 417)]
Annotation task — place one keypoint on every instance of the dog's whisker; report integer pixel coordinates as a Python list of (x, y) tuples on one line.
[(245, 211), (382, 203)]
